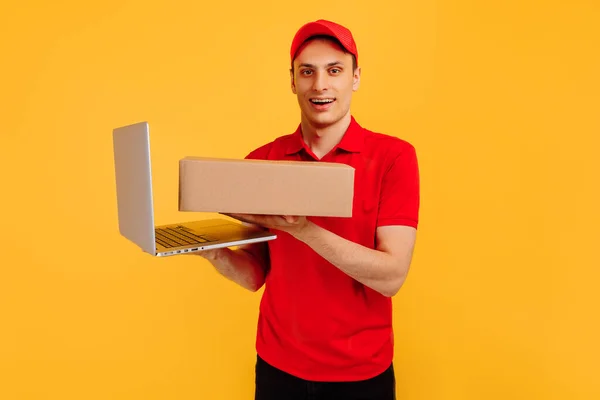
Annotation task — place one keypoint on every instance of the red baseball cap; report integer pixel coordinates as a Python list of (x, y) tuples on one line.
[(324, 27)]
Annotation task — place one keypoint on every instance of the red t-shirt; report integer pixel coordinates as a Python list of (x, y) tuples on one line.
[(316, 322)]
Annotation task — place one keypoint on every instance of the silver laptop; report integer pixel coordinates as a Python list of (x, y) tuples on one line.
[(135, 206)]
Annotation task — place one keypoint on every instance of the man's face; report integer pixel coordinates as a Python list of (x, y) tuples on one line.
[(323, 81)]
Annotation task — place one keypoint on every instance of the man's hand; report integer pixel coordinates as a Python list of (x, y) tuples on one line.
[(210, 255), (285, 223), (246, 265)]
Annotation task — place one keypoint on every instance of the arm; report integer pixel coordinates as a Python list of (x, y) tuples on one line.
[(383, 269), (247, 265)]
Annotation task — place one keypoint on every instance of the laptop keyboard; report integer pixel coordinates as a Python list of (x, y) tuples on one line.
[(178, 236)]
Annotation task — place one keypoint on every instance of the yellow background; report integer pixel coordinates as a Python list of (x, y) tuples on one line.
[(501, 100)]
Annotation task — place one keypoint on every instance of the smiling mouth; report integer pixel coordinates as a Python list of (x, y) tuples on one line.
[(322, 101)]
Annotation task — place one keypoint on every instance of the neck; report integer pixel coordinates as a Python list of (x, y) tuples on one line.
[(322, 139)]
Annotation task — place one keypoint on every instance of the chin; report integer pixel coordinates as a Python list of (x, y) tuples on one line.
[(321, 119)]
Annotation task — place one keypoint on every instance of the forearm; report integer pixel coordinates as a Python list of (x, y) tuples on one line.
[(373, 268), (240, 266)]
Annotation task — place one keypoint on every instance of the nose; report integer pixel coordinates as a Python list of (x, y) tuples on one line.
[(321, 81)]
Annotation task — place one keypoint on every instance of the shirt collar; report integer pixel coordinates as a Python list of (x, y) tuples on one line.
[(352, 141)]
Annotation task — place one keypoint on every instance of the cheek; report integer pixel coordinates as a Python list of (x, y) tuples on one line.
[(347, 87), (347, 93), (301, 90)]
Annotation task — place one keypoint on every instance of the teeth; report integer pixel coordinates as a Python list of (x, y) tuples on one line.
[(322, 100)]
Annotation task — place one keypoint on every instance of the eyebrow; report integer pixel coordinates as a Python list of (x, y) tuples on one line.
[(331, 64)]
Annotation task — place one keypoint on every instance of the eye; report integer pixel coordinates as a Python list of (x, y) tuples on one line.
[(335, 71), (305, 72)]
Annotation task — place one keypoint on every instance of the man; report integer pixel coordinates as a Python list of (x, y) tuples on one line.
[(325, 325)]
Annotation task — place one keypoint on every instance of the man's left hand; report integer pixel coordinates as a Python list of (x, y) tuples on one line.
[(285, 223)]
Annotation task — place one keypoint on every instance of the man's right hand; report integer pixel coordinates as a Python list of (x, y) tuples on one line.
[(247, 266), (211, 254)]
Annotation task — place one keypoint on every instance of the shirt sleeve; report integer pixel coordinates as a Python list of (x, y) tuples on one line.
[(400, 190)]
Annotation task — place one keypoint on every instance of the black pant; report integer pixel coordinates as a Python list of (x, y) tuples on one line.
[(274, 384)]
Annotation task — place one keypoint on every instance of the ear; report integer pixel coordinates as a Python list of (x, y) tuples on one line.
[(356, 79), (292, 83)]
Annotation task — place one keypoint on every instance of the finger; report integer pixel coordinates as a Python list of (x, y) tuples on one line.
[(290, 219)]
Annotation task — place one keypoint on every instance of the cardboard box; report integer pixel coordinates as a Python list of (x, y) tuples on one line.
[(266, 187)]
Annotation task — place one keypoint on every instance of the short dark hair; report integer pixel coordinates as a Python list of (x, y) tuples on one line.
[(333, 40)]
